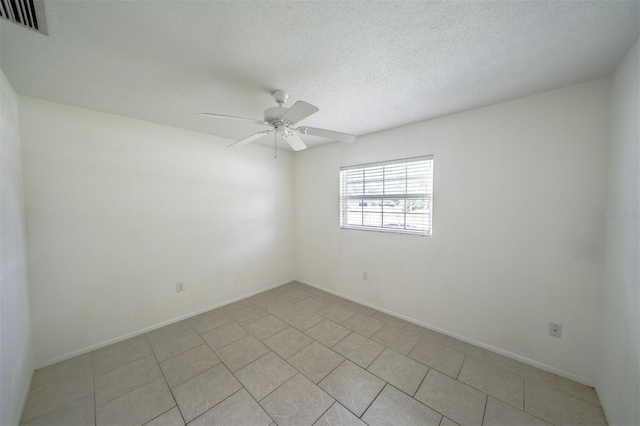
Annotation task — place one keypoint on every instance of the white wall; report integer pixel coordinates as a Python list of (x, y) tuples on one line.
[(517, 228), (16, 349), (119, 210), (618, 378)]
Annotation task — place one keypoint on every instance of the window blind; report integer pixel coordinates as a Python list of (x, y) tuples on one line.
[(391, 196)]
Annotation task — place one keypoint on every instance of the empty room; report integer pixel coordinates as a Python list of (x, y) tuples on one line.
[(319, 213)]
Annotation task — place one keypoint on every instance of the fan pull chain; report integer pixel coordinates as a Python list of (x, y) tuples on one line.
[(275, 144)]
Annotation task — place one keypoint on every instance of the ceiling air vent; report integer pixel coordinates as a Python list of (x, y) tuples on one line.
[(28, 13)]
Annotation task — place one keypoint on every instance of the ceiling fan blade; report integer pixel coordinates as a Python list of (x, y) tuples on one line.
[(230, 117), (329, 134), (295, 142), (299, 111), (249, 139)]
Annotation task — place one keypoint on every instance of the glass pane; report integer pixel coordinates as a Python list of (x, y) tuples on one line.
[(417, 221), (353, 182), (372, 213), (373, 177), (354, 212), (416, 205), (395, 179)]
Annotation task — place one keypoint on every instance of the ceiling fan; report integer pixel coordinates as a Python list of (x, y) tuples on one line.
[(283, 120)]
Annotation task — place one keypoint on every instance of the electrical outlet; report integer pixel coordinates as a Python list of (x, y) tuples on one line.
[(365, 276), (179, 287), (555, 330)]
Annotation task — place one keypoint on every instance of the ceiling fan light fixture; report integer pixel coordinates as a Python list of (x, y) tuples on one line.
[(282, 121)]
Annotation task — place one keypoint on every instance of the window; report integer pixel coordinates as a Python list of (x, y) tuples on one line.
[(392, 196)]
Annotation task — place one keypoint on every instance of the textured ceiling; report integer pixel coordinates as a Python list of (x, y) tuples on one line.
[(368, 66)]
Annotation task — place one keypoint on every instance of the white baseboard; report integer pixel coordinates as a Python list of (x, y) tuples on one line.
[(494, 349), (92, 348), (24, 400)]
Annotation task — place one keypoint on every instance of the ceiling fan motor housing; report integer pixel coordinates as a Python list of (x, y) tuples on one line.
[(272, 116)]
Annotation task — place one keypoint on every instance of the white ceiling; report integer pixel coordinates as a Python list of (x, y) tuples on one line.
[(368, 66)]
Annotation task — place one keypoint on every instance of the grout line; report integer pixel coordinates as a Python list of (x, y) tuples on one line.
[(162, 414), (165, 380), (373, 400), (421, 382), (138, 387), (461, 366), (251, 396), (223, 400), (484, 412), (335, 401), (336, 344)]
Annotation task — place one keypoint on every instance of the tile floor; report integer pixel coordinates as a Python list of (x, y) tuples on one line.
[(296, 355)]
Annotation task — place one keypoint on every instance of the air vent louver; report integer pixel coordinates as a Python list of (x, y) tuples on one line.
[(28, 13)]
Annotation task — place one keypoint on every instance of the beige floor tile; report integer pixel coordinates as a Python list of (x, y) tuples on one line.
[(360, 308), (393, 407), (501, 384), (188, 364), (525, 370), (296, 295), (469, 349), (499, 413), (264, 375), (328, 296), (248, 315), (314, 303), (78, 412), (119, 354), (197, 395), (266, 327), (238, 409), (440, 357), (425, 332), (240, 353), (457, 401), (80, 365), (328, 332), (336, 313), (137, 407), (298, 402), (352, 386), (584, 392), (402, 372), (172, 340), (209, 320), (399, 340), (295, 315), (169, 418), (288, 342), (304, 320), (337, 415), (284, 310), (297, 284), (559, 408), (224, 335), (390, 319), (316, 361), (236, 306), (448, 422), (124, 379), (56, 394), (265, 300), (359, 349), (363, 324)]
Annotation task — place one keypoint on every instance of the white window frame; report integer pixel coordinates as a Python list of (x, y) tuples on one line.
[(426, 195)]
